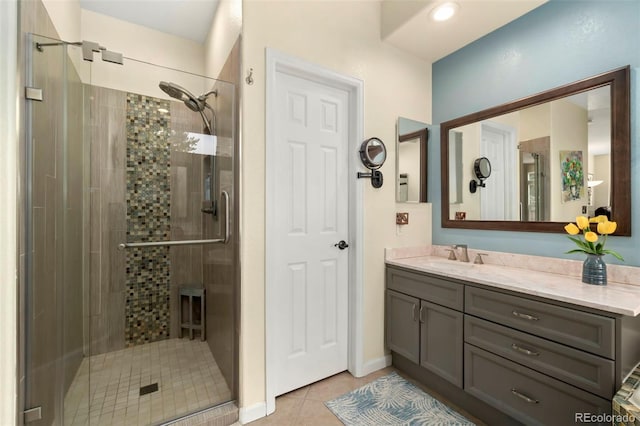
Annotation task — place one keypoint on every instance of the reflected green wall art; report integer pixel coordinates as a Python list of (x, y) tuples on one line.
[(572, 175)]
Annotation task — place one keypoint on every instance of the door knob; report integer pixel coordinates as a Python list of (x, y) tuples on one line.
[(341, 245)]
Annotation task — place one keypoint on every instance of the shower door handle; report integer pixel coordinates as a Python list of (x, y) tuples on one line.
[(224, 240), (225, 195)]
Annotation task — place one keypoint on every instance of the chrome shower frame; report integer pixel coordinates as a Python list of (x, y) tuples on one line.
[(88, 48)]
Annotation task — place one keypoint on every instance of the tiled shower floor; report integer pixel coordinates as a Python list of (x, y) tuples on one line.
[(187, 375)]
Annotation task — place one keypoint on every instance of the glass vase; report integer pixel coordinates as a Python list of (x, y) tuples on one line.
[(594, 270)]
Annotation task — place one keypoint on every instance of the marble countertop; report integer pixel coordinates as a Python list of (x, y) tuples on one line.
[(618, 298)]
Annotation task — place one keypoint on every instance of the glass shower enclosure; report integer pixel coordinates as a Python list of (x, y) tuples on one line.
[(130, 287)]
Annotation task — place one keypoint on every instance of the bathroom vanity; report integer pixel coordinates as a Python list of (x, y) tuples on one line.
[(512, 344)]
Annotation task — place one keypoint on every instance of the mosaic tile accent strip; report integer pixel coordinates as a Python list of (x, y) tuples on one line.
[(148, 219)]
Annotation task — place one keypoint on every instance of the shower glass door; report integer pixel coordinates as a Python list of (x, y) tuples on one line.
[(161, 174), (55, 272), (142, 330)]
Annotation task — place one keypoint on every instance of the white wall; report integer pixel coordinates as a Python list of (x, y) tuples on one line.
[(569, 132), (602, 171), (470, 203), (134, 41), (65, 16), (145, 45), (142, 43), (225, 29), (345, 37), (8, 218)]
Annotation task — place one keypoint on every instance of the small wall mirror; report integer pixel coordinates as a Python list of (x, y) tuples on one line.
[(553, 156), (411, 163), (373, 154)]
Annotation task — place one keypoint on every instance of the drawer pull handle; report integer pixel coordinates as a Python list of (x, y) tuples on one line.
[(526, 351), (415, 314), (524, 397), (524, 316)]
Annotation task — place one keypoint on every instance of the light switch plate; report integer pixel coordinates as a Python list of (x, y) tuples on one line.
[(402, 218)]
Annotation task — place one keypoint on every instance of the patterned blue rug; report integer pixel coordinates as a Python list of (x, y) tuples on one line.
[(391, 400)]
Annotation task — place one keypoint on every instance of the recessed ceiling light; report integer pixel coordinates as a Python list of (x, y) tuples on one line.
[(444, 11)]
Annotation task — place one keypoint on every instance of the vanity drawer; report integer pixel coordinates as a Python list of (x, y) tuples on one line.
[(426, 287), (582, 330), (584, 370), (524, 394)]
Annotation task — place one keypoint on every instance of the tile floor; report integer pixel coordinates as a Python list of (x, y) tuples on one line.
[(305, 406), (187, 375)]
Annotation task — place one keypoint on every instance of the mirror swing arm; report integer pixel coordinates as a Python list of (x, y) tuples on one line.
[(619, 82)]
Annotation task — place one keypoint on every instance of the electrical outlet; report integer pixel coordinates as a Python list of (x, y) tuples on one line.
[(402, 218)]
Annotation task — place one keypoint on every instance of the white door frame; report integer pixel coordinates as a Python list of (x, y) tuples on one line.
[(278, 62)]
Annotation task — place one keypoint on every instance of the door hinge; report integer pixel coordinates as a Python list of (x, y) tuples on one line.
[(32, 414), (33, 93)]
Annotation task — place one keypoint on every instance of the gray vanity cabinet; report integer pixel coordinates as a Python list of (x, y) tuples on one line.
[(403, 328), (441, 341), (424, 332), (525, 358), (582, 330), (525, 394)]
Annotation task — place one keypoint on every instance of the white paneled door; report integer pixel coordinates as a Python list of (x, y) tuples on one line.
[(498, 200), (311, 196)]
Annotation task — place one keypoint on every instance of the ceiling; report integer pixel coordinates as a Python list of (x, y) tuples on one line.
[(405, 23), (408, 26), (190, 19)]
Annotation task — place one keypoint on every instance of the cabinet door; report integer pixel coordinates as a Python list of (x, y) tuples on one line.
[(441, 341), (403, 328)]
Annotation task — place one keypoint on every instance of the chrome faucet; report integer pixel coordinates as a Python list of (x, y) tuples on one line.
[(464, 257)]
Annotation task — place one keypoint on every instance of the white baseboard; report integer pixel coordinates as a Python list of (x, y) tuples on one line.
[(373, 365), (255, 412)]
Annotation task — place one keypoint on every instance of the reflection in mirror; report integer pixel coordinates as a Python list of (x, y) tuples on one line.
[(411, 167), (376, 153), (554, 156), (373, 153), (519, 145)]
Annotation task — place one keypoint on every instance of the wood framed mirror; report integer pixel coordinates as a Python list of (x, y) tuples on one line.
[(544, 150)]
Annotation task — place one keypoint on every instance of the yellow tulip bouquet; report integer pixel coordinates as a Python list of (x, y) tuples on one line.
[(591, 244)]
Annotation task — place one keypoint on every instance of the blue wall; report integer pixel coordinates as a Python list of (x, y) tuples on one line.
[(558, 43)]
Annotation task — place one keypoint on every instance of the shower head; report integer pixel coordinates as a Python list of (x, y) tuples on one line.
[(194, 104), (182, 94)]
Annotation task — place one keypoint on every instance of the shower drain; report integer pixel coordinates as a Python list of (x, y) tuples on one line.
[(149, 389)]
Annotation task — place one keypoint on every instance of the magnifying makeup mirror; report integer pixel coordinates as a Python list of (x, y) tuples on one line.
[(482, 170), (373, 154)]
